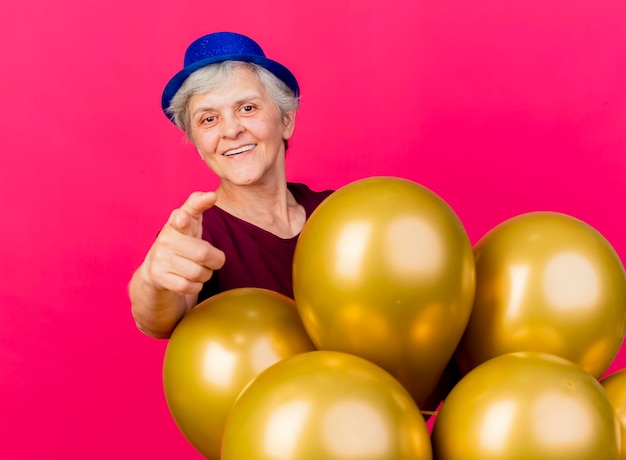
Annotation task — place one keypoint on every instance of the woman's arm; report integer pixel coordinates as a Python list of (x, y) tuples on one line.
[(167, 283)]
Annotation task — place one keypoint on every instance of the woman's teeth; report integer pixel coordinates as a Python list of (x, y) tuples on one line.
[(245, 148)]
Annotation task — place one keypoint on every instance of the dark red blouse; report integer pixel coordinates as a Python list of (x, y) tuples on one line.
[(254, 257)]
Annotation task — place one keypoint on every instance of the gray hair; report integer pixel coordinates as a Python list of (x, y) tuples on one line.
[(212, 76)]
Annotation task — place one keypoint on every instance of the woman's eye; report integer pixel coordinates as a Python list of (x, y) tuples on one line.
[(209, 119), (247, 108)]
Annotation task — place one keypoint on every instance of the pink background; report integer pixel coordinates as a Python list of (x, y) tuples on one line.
[(499, 107)]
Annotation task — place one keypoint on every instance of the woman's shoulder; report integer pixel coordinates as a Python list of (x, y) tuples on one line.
[(300, 190), (307, 198)]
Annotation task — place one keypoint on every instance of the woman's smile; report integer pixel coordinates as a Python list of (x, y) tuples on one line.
[(239, 150)]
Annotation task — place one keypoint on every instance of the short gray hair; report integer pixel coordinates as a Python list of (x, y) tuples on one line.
[(212, 76)]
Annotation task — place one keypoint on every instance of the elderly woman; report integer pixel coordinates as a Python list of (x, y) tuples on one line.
[(238, 108)]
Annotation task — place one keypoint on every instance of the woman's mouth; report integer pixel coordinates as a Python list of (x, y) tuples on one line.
[(239, 150)]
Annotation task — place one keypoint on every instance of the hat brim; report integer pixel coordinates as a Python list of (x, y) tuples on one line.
[(177, 80)]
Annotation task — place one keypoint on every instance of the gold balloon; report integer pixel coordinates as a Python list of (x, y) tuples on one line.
[(546, 282), (615, 387), (217, 348), (325, 405), (526, 405), (384, 270)]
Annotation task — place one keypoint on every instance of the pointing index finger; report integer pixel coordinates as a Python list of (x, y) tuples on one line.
[(198, 202)]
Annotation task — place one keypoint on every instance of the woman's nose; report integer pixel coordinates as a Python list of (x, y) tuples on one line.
[(231, 126)]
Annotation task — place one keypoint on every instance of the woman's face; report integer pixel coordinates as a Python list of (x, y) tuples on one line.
[(238, 131)]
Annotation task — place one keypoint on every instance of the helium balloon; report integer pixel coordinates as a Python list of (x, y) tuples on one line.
[(384, 270), (526, 405), (615, 387), (325, 405), (217, 348), (546, 282)]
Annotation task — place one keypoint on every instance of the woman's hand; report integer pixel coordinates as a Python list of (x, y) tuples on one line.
[(180, 260)]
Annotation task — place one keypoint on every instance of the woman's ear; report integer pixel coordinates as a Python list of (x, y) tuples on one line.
[(289, 123)]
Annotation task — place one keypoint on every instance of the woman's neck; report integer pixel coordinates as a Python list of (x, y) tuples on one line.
[(270, 207)]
